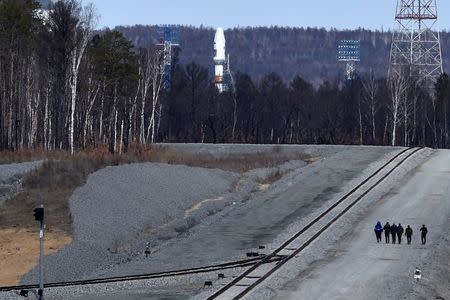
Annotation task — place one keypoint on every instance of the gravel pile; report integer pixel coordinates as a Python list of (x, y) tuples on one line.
[(118, 205)]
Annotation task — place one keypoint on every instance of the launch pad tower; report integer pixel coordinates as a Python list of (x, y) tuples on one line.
[(169, 39), (416, 47)]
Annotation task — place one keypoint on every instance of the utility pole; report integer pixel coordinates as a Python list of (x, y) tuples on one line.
[(39, 216)]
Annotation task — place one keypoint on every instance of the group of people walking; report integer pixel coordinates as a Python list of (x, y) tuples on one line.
[(396, 232)]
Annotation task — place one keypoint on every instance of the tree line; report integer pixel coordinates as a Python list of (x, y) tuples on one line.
[(65, 86)]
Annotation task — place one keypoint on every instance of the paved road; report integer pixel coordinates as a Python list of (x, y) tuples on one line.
[(362, 269)]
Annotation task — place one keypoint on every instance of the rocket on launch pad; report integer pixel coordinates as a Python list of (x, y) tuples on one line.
[(220, 59)]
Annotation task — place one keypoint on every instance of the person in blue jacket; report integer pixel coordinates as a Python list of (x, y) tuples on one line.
[(378, 230)]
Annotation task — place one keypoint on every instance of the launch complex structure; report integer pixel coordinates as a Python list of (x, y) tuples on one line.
[(415, 49), (169, 41)]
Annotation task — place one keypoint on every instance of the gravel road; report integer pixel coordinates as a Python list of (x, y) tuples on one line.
[(351, 265)]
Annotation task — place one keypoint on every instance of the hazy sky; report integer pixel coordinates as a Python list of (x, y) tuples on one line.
[(373, 14)]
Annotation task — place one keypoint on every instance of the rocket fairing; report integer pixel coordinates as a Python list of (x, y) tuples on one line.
[(219, 59)]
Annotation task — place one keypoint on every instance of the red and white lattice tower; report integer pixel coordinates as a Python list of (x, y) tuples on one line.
[(416, 47)]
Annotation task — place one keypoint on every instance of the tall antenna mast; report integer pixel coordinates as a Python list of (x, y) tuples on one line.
[(416, 47)]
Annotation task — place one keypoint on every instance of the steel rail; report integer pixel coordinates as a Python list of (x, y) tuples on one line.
[(197, 270)]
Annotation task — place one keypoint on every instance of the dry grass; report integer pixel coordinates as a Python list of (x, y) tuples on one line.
[(51, 185), (9, 157), (231, 162)]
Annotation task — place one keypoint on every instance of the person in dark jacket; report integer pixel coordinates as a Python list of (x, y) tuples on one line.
[(387, 231), (408, 233), (399, 232), (378, 230), (393, 232), (423, 235)]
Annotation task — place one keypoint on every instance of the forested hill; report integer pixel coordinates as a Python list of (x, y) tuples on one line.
[(308, 52)]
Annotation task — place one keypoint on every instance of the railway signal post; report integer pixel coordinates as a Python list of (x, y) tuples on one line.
[(39, 216)]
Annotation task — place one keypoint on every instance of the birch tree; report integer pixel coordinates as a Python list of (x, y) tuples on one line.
[(82, 35), (370, 85), (398, 87), (156, 76)]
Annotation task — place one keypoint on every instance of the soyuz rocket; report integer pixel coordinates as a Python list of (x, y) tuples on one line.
[(220, 59)]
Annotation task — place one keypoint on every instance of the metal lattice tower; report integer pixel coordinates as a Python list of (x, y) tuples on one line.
[(169, 38), (349, 51), (416, 48)]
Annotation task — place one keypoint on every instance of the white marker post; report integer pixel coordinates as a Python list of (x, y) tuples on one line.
[(417, 274)]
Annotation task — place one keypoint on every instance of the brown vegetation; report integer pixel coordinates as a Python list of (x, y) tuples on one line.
[(231, 162)]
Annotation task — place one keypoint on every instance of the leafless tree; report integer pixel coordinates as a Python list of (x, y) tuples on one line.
[(398, 85), (82, 35), (157, 78), (370, 85)]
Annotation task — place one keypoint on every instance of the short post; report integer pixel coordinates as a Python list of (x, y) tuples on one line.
[(39, 216), (417, 274)]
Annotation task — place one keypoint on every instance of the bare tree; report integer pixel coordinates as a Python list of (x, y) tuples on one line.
[(82, 35), (360, 123), (398, 86), (370, 98), (157, 78)]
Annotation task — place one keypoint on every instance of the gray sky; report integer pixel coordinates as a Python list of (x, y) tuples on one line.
[(348, 14)]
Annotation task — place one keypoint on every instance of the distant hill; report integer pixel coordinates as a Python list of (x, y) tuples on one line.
[(309, 52)]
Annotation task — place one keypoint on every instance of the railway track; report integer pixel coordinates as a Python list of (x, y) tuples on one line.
[(198, 270), (250, 279)]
